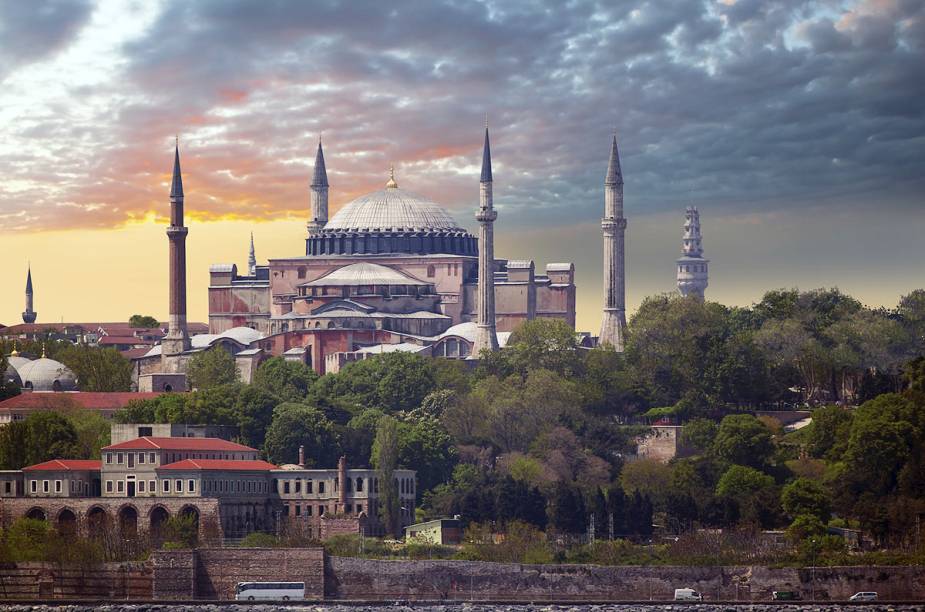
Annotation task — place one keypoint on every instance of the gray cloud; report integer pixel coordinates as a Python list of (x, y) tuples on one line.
[(32, 30)]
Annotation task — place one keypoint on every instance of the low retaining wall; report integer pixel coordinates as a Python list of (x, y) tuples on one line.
[(49, 581), (348, 578)]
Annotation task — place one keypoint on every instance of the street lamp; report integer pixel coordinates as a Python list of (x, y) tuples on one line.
[(812, 580)]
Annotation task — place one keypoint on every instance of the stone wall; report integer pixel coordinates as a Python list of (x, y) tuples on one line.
[(212, 573), (49, 581), (349, 578)]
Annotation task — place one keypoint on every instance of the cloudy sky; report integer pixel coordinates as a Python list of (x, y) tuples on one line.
[(797, 127)]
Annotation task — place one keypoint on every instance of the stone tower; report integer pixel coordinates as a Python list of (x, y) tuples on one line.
[(692, 267), (29, 315), (252, 259), (486, 337), (613, 225), (177, 339), (319, 188)]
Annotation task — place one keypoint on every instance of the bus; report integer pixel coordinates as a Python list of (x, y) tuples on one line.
[(278, 591)]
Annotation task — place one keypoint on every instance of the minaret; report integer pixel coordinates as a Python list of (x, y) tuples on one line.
[(29, 315), (177, 339), (319, 188), (486, 338), (692, 267), (613, 225), (252, 259)]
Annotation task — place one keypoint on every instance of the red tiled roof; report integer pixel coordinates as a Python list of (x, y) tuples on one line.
[(219, 464), (57, 465), (135, 353), (192, 444), (91, 400), (124, 340)]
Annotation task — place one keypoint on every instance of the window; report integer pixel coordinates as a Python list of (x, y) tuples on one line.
[(320, 510), (151, 457), (141, 486), (6, 487), (191, 486), (286, 488), (298, 510), (179, 486), (359, 485), (131, 459), (108, 457), (120, 486), (109, 486), (431, 271), (35, 484), (308, 510), (301, 272), (298, 486), (152, 486), (359, 508), (57, 486), (309, 486), (145, 431), (141, 457), (321, 487), (166, 486), (119, 458), (44, 486)]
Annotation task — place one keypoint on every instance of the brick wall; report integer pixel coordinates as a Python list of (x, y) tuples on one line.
[(47, 581)]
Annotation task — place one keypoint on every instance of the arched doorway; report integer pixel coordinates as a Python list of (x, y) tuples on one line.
[(37, 514), (67, 523), (98, 522), (159, 516), (128, 522), (191, 529)]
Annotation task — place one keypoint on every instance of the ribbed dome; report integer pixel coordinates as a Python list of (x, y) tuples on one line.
[(11, 376), (47, 375), (18, 362), (392, 209)]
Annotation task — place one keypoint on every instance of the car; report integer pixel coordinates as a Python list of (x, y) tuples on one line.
[(864, 596), (687, 595), (785, 595)]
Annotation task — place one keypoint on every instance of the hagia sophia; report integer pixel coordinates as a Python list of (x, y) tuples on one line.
[(390, 271)]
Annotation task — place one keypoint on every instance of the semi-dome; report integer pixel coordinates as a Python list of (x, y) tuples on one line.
[(391, 220), (47, 375)]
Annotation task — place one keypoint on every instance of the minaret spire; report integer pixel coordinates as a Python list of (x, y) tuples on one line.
[(613, 226), (29, 315), (319, 195), (486, 337), (692, 267), (177, 339), (252, 259)]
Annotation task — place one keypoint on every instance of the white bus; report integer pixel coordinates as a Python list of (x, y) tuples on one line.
[(249, 591)]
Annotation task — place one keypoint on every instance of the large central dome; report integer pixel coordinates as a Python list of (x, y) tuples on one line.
[(391, 221), (392, 209)]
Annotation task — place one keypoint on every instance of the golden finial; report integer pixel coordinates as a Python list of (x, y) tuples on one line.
[(15, 352), (43, 350), (391, 184)]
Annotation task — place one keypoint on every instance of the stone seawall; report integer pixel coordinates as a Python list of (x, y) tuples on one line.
[(50, 581), (349, 578)]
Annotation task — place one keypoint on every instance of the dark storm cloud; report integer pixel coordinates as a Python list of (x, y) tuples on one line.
[(34, 29), (747, 105)]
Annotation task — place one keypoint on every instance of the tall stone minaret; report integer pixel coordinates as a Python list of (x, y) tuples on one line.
[(252, 259), (486, 336), (319, 188), (692, 267), (29, 315), (613, 225), (177, 339)]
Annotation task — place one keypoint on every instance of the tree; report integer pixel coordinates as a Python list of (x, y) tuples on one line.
[(13, 450), (883, 435), (806, 497), (97, 369), (548, 344), (93, 433), (42, 436), (426, 446), (297, 425), (648, 477), (385, 460), (699, 434), (829, 431), (211, 368), (145, 321), (253, 408), (753, 492), (744, 440), (566, 509), (287, 380)]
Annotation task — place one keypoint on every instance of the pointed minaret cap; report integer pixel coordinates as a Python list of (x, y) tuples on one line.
[(614, 173), (391, 184), (176, 187), (486, 160), (320, 178), (29, 280)]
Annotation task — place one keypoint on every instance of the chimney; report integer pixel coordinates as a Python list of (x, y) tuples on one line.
[(301, 456), (342, 477)]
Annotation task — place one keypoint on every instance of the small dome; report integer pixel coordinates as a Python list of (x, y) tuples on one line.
[(392, 209), (18, 362), (47, 375), (11, 376)]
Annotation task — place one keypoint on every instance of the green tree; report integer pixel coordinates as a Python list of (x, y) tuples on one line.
[(42, 436), (883, 434), (14, 454), (699, 434), (211, 368), (93, 433), (97, 369), (145, 321), (752, 490), (427, 447), (253, 409), (385, 460), (297, 425), (287, 380), (829, 431), (743, 439), (547, 344), (806, 497), (648, 477)]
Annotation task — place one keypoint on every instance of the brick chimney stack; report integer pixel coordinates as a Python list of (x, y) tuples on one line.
[(342, 478), (301, 456)]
